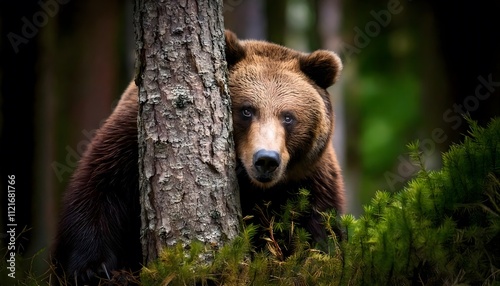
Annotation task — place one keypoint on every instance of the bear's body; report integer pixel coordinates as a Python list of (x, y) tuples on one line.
[(283, 126)]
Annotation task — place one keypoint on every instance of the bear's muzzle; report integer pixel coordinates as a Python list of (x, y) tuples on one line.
[(265, 163)]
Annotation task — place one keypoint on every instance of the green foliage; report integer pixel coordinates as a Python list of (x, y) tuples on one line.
[(443, 228)]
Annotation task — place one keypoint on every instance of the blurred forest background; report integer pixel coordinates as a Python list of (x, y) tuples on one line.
[(411, 68)]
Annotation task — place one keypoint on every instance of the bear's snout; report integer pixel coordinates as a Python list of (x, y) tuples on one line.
[(266, 162)]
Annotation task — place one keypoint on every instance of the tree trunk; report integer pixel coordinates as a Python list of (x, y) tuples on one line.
[(186, 159)]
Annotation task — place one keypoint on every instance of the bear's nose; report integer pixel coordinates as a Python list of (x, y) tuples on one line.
[(266, 161)]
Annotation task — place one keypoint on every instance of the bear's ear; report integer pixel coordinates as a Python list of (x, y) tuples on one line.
[(234, 50), (322, 66)]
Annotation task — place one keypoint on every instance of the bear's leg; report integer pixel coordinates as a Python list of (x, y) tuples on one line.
[(99, 228)]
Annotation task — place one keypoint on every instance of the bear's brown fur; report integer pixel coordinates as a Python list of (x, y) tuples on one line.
[(283, 126), (280, 103)]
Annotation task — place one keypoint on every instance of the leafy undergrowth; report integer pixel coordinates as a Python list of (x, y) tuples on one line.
[(443, 228)]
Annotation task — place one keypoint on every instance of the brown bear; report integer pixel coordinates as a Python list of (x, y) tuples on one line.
[(283, 126)]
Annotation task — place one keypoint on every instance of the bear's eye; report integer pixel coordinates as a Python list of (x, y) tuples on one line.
[(246, 112), (288, 119)]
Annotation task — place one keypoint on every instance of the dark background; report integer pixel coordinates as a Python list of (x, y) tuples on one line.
[(410, 69)]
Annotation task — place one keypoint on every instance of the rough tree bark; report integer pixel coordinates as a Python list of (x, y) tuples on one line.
[(186, 160)]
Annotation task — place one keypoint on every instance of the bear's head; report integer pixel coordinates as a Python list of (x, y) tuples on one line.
[(282, 113)]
